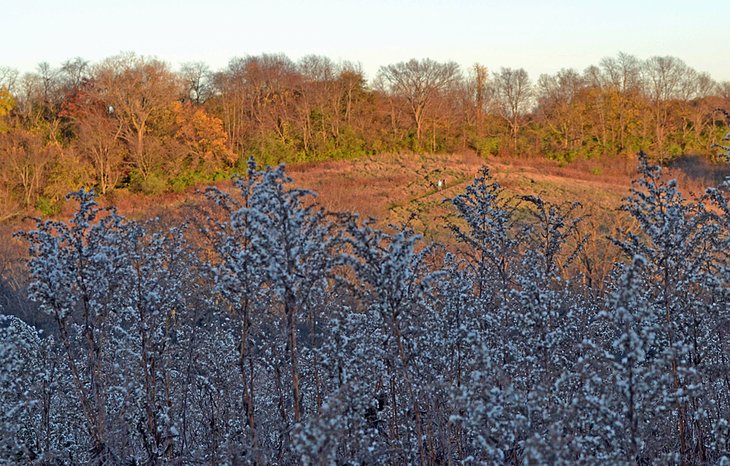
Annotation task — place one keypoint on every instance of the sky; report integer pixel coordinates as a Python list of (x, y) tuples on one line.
[(540, 36)]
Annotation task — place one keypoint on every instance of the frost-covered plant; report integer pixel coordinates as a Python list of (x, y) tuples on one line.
[(623, 374), (274, 254), (32, 380), (116, 293), (485, 225), (238, 278), (276, 332), (77, 271), (395, 278), (677, 240), (551, 237)]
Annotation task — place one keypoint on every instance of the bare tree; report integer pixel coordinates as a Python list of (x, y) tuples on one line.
[(556, 96), (49, 83), (256, 94), (622, 72), (99, 142), (419, 82), (196, 78), (316, 112), (24, 164), (723, 89), (8, 78), (664, 78), (513, 93), (75, 72), (664, 81), (477, 87), (352, 83), (136, 90)]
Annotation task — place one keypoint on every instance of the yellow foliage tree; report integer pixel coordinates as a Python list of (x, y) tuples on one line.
[(7, 103), (203, 138)]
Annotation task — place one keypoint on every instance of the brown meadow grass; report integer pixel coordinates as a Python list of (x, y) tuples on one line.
[(402, 189)]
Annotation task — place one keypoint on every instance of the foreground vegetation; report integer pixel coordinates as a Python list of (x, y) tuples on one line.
[(131, 123), (271, 331)]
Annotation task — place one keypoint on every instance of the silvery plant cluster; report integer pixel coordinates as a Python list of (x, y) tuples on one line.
[(266, 330)]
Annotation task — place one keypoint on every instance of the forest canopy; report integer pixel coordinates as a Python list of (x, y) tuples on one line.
[(131, 122)]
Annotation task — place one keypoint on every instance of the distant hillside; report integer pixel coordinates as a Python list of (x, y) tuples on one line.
[(400, 188)]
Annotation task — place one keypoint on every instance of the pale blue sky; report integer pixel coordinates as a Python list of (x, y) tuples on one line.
[(540, 36)]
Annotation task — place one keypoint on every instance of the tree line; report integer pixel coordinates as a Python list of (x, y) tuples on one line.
[(132, 122), (267, 330)]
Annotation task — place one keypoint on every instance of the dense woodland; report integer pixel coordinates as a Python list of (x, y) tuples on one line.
[(131, 122)]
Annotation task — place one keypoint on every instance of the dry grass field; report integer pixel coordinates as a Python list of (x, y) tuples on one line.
[(403, 188), (397, 189)]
